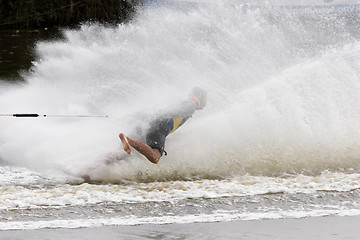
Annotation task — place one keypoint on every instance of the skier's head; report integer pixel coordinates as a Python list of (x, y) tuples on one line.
[(199, 97)]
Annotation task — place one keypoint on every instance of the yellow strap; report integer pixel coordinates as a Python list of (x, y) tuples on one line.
[(177, 122)]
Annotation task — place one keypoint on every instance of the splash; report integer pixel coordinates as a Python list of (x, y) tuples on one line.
[(283, 95)]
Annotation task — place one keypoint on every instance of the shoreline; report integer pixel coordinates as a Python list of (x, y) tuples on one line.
[(326, 228)]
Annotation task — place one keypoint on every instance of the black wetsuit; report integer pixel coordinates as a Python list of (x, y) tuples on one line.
[(168, 123)]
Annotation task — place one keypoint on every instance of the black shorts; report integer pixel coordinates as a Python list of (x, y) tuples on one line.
[(156, 135)]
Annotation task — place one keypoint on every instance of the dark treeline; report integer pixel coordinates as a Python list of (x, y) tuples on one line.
[(33, 14)]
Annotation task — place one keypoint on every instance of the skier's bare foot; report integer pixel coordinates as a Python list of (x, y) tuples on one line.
[(125, 143)]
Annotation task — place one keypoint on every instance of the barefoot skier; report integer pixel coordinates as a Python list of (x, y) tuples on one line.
[(161, 127)]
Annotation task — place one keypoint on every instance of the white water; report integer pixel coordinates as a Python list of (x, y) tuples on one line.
[(282, 118), (21, 197), (274, 106)]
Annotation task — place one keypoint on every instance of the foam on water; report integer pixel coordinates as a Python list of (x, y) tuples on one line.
[(65, 195), (39, 206), (201, 218)]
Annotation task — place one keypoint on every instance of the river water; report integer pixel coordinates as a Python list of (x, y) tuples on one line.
[(16, 50), (280, 137)]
